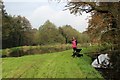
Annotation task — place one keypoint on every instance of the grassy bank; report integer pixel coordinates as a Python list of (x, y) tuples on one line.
[(55, 65)]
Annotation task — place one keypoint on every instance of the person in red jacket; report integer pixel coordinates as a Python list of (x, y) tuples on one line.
[(74, 45)]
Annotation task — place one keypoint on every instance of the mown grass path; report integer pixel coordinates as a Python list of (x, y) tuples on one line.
[(52, 65)]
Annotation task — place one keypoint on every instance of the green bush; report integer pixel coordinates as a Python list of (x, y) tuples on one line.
[(96, 49)]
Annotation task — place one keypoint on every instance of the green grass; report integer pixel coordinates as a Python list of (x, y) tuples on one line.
[(53, 65)]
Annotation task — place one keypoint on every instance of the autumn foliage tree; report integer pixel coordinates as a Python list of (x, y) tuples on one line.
[(105, 16)]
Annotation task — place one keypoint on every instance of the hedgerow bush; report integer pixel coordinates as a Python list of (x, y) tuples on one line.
[(95, 50), (31, 50)]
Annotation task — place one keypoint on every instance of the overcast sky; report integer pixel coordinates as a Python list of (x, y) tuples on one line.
[(38, 12)]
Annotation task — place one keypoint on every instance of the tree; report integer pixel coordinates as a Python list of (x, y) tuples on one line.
[(35, 36), (98, 25), (16, 31), (110, 10), (111, 27), (6, 30), (68, 32), (85, 37), (76, 6), (49, 34)]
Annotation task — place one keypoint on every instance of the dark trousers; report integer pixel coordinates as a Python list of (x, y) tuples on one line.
[(74, 49), (74, 52)]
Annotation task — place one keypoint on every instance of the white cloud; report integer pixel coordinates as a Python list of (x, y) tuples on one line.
[(39, 12), (78, 22), (40, 15), (59, 18)]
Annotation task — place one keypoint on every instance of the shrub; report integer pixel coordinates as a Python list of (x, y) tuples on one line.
[(95, 50)]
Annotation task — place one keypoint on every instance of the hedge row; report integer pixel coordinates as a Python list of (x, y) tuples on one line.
[(31, 50)]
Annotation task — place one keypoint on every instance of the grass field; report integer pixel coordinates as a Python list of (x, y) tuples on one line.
[(52, 65)]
